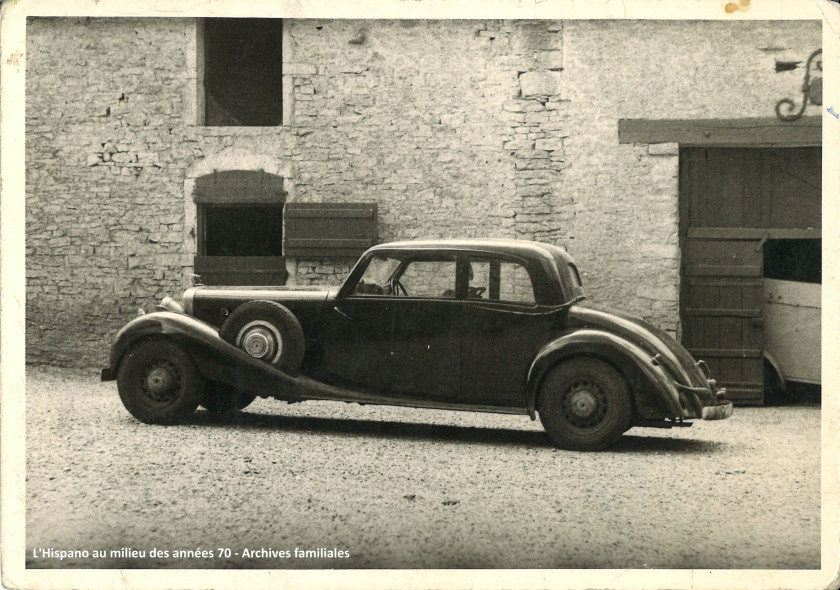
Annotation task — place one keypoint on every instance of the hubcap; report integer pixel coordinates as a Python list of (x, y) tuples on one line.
[(161, 382), (257, 343), (261, 341), (585, 405)]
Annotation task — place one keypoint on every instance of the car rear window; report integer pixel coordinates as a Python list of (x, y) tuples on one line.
[(500, 280)]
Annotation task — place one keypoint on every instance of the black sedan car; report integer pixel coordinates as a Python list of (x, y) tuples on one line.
[(480, 325)]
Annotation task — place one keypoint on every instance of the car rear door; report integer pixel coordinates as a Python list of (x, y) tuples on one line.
[(503, 327)]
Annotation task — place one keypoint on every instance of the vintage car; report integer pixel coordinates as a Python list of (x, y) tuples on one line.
[(480, 325)]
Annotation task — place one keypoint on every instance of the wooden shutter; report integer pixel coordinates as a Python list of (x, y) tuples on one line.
[(240, 187), (329, 230), (240, 270), (731, 201)]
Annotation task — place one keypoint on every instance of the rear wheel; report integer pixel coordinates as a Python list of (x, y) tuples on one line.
[(158, 382), (584, 404), (222, 398)]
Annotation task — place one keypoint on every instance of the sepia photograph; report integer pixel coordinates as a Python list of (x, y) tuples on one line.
[(419, 294)]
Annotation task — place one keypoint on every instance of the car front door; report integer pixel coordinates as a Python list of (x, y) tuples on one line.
[(426, 339), (503, 327), (398, 331)]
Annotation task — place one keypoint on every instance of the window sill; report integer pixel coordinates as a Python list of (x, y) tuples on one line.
[(213, 130)]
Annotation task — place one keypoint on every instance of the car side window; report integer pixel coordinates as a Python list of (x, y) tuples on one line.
[(500, 280), (575, 275), (396, 277), (428, 278)]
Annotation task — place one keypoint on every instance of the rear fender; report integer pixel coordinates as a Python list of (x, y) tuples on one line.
[(654, 392)]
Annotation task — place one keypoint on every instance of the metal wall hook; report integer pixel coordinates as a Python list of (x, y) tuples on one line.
[(808, 86)]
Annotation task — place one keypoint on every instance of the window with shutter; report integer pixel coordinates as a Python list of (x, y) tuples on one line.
[(240, 228)]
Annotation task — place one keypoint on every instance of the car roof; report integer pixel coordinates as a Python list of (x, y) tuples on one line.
[(522, 248)]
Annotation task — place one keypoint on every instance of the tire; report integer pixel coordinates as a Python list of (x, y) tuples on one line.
[(267, 331), (774, 393), (158, 382), (223, 399), (584, 404)]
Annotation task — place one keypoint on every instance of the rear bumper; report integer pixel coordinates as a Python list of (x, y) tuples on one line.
[(718, 412), (107, 374), (709, 402)]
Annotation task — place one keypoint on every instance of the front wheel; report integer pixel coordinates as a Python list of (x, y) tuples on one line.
[(158, 382), (584, 404)]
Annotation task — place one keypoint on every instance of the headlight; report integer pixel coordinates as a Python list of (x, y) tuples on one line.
[(169, 304)]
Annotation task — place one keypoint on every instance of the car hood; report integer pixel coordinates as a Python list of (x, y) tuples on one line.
[(644, 334), (304, 301), (299, 292)]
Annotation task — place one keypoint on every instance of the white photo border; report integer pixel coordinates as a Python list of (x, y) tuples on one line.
[(13, 293)]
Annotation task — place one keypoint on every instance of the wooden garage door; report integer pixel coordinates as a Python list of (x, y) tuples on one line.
[(722, 312), (731, 201)]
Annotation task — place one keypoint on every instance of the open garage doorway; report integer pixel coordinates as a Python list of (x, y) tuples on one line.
[(750, 237)]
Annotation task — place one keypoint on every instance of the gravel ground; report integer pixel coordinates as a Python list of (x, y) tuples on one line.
[(405, 488)]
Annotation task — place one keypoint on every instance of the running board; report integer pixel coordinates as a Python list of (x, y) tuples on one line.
[(352, 397), (661, 424)]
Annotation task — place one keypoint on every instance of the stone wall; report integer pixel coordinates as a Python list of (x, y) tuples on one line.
[(105, 165), (411, 115), (455, 129)]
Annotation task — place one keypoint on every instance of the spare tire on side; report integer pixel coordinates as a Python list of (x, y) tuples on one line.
[(266, 331)]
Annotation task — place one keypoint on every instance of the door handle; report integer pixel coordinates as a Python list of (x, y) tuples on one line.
[(341, 313)]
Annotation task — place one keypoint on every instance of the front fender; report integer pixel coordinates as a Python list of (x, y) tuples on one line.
[(220, 361), (163, 322), (768, 358), (216, 359), (651, 386)]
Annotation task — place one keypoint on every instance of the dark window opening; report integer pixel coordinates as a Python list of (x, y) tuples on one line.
[(243, 72), (243, 231), (793, 260), (239, 224)]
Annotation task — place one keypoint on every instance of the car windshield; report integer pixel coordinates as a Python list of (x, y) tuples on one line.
[(378, 273), (380, 269), (575, 275)]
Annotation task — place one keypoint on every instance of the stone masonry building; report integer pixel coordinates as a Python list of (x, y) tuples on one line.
[(151, 151)]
